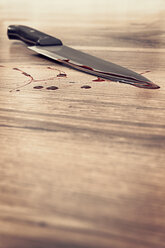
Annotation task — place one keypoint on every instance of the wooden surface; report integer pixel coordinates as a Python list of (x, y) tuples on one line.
[(83, 168)]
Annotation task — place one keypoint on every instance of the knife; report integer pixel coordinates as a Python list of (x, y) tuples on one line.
[(53, 48)]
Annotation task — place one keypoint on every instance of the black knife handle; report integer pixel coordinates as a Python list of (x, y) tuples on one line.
[(31, 36)]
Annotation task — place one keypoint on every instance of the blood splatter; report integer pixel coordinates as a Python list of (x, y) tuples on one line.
[(38, 87), (85, 87), (17, 69), (144, 72), (98, 80), (53, 68), (31, 79), (62, 75), (86, 67), (26, 74), (52, 88), (65, 60), (110, 76)]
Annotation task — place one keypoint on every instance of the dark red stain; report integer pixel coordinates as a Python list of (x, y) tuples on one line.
[(62, 75), (87, 67), (52, 88), (38, 87), (85, 87), (66, 60), (98, 79), (26, 74), (144, 72), (53, 68)]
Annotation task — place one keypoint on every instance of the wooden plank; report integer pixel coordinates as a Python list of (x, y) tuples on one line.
[(82, 167)]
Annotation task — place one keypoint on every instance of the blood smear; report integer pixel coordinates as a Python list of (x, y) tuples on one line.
[(98, 79)]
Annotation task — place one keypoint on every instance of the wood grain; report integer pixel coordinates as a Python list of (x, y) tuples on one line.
[(82, 167)]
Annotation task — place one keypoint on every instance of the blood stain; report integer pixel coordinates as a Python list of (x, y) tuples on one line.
[(144, 72), (38, 87), (26, 74), (66, 60), (17, 90), (52, 88), (62, 75), (85, 87), (98, 80), (87, 67)]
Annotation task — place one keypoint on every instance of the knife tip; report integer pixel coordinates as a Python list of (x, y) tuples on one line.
[(151, 85)]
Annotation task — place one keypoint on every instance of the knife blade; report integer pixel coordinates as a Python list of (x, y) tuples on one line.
[(53, 48)]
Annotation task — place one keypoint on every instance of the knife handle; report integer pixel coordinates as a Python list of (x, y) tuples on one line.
[(31, 36)]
